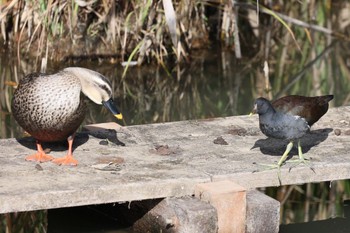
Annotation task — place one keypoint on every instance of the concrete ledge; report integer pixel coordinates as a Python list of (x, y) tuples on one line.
[(180, 215), (263, 213), (229, 199), (142, 162)]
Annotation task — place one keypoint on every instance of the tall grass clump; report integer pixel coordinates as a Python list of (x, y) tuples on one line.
[(140, 31), (113, 29)]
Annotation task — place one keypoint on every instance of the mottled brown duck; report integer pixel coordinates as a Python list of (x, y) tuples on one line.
[(51, 107)]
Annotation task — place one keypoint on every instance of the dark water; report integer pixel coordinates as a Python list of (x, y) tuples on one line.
[(208, 87), (213, 84)]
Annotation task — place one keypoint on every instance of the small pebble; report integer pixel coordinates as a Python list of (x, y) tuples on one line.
[(238, 131), (162, 150), (39, 167), (220, 141), (344, 122), (104, 142), (337, 132)]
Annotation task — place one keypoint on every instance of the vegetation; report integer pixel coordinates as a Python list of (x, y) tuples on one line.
[(311, 202), (33, 221), (146, 30), (305, 45)]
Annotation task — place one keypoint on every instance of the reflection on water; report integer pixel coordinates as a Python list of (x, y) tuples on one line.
[(340, 224), (214, 84)]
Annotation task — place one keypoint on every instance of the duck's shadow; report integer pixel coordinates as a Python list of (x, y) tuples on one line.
[(107, 135), (276, 147), (29, 142)]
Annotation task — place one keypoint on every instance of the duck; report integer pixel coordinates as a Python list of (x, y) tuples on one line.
[(51, 107)]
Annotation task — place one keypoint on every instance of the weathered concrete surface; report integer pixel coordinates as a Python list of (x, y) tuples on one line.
[(164, 160), (263, 213), (229, 200), (180, 215)]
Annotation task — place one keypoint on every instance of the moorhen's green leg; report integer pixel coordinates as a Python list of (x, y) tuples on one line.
[(301, 158), (282, 159), (280, 162)]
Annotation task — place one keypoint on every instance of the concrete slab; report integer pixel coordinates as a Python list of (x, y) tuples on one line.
[(167, 160), (229, 200), (179, 215), (263, 213)]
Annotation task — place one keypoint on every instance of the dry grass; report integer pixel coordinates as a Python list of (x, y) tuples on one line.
[(57, 29), (145, 30)]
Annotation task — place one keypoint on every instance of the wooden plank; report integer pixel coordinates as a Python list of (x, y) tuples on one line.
[(192, 157)]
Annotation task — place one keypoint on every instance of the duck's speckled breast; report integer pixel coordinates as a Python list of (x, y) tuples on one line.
[(49, 107)]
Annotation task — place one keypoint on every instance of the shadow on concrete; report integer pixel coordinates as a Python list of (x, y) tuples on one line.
[(107, 136), (29, 142), (110, 135), (276, 147)]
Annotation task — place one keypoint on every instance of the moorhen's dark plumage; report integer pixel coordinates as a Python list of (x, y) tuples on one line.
[(51, 107), (309, 108), (290, 117), (280, 125)]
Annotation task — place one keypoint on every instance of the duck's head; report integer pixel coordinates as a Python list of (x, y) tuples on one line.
[(96, 87)]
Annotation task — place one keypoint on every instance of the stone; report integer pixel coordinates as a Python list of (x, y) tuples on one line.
[(229, 199), (263, 213), (180, 215)]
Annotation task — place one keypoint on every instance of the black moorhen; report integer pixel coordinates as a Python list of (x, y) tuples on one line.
[(277, 118), (280, 125)]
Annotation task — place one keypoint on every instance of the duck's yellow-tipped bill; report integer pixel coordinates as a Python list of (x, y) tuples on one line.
[(109, 104), (119, 116)]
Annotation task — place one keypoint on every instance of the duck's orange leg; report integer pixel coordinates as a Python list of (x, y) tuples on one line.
[(68, 159), (40, 155)]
